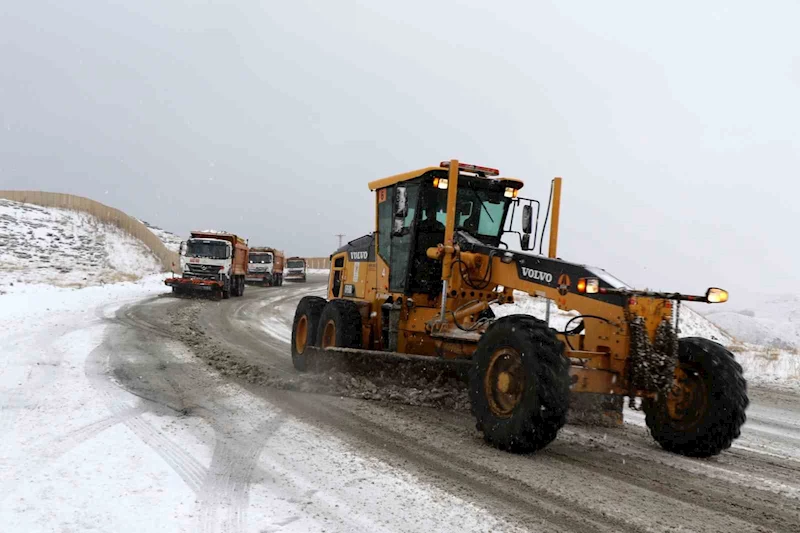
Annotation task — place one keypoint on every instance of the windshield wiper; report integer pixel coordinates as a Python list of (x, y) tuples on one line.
[(478, 195)]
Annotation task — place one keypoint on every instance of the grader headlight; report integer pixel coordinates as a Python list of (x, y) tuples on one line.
[(715, 295), (511, 192), (589, 285), (440, 183)]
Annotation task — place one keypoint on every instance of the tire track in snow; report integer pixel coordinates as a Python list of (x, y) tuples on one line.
[(498, 491), (227, 485), (186, 466)]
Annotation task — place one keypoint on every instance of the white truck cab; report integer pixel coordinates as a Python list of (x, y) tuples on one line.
[(206, 259), (296, 269), (265, 266)]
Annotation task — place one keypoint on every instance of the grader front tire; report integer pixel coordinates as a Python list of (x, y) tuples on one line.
[(304, 328), (340, 325), (519, 384), (705, 410)]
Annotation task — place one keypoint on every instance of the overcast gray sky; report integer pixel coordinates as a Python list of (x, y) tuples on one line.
[(674, 125)]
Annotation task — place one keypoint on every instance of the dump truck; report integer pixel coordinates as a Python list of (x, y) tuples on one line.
[(265, 266), (212, 262), (416, 298), (296, 269)]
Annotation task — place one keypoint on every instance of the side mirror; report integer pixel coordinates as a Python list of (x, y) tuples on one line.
[(525, 241), (400, 203), (182, 248), (527, 219)]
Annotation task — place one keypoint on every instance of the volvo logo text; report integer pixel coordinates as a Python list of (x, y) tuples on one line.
[(358, 256), (537, 275)]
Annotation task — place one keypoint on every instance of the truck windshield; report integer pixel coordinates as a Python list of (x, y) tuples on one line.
[(296, 264), (210, 250), (260, 258)]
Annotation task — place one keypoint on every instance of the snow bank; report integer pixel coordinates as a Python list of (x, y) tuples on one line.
[(769, 366), (66, 248), (22, 302)]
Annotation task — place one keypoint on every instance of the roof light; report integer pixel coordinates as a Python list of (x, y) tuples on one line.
[(472, 168), (440, 183), (511, 192)]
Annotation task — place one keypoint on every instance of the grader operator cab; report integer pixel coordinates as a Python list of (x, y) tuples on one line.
[(418, 293)]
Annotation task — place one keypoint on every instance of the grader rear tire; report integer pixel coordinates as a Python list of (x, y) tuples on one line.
[(704, 412), (340, 325), (519, 384), (304, 328)]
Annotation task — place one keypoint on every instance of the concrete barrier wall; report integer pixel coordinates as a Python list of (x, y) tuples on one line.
[(318, 262), (106, 214)]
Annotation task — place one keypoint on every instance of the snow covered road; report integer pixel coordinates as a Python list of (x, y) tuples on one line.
[(113, 421)]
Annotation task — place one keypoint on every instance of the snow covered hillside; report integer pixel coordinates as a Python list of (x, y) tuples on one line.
[(66, 248), (770, 321), (170, 240)]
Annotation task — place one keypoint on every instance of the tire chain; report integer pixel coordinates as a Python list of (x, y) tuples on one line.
[(651, 366)]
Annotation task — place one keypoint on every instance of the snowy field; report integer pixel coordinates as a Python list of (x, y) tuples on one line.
[(66, 248)]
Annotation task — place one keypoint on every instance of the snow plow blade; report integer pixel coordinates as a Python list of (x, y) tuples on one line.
[(389, 367), (193, 284)]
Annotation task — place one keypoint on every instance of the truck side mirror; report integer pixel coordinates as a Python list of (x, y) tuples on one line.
[(527, 218), (525, 241), (182, 248)]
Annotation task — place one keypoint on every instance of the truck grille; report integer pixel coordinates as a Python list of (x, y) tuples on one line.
[(203, 271)]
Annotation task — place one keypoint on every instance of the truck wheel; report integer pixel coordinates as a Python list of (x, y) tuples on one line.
[(340, 325), (304, 328), (705, 410), (226, 290), (519, 384)]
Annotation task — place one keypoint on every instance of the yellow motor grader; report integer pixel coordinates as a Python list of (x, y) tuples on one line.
[(420, 290)]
